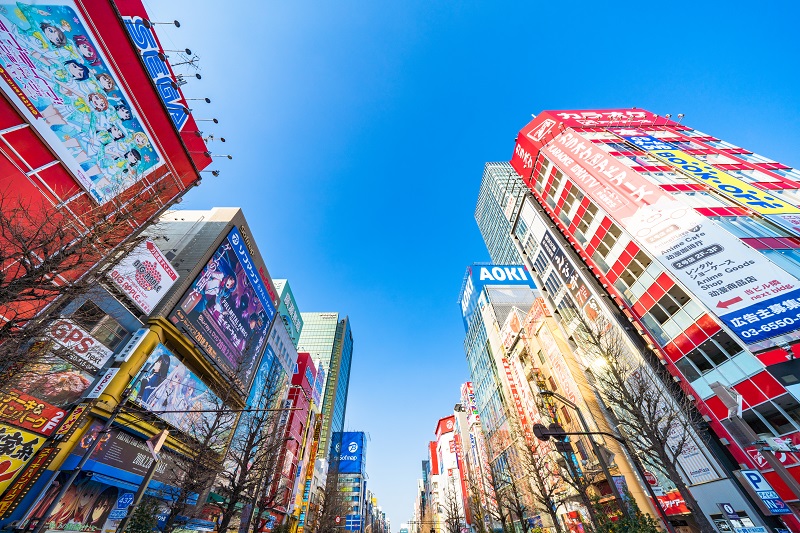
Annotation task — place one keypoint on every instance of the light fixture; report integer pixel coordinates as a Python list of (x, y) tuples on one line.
[(148, 23), (184, 51), (207, 100)]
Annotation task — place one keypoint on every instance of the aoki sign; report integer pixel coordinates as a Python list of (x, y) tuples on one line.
[(480, 276)]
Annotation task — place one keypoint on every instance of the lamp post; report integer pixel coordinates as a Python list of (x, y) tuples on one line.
[(595, 448), (544, 433)]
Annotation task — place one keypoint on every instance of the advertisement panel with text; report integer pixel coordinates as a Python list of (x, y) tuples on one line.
[(227, 310), (749, 293), (57, 75)]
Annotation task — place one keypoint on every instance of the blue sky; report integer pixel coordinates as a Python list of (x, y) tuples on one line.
[(359, 131)]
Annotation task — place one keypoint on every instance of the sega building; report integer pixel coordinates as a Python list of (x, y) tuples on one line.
[(697, 242)]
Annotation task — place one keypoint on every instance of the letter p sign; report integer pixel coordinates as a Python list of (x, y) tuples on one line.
[(756, 480)]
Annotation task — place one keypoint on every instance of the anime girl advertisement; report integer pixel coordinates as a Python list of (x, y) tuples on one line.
[(85, 507), (173, 392), (223, 311), (54, 71)]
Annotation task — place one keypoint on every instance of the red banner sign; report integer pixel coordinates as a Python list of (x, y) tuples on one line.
[(27, 412), (673, 503), (25, 481)]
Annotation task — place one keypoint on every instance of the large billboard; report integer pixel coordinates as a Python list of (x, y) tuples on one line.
[(17, 448), (58, 76), (736, 190), (478, 276), (227, 310), (175, 394), (145, 276), (351, 452), (749, 293)]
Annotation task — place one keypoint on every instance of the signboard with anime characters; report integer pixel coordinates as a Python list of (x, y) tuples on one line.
[(57, 75), (174, 393), (227, 310)]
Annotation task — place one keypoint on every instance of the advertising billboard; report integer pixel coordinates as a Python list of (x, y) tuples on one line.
[(227, 309), (351, 452), (548, 124), (749, 293), (144, 276), (479, 276), (174, 393), (58, 76), (67, 370), (17, 448)]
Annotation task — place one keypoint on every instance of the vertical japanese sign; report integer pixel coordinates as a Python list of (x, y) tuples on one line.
[(17, 448), (749, 293)]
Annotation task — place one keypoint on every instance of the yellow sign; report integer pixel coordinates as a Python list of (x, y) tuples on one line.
[(739, 191), (17, 448)]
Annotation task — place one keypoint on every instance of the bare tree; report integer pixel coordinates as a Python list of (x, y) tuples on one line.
[(332, 503), (451, 508), (49, 256), (655, 415), (251, 461)]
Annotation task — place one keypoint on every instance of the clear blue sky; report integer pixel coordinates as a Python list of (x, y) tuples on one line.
[(359, 131)]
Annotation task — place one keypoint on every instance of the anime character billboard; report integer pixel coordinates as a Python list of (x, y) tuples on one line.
[(58, 77), (224, 310), (173, 392), (87, 506)]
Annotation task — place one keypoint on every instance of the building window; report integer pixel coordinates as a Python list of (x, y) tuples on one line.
[(586, 221), (99, 324), (604, 247), (555, 188), (710, 354), (669, 304), (746, 227)]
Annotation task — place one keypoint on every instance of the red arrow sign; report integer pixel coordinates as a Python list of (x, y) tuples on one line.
[(728, 303)]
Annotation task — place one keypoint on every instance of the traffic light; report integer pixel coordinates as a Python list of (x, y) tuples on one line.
[(540, 432), (557, 432)]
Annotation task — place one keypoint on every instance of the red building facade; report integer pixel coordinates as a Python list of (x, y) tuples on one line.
[(696, 241)]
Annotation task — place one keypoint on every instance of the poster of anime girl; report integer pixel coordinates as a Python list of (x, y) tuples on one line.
[(56, 74), (85, 507), (224, 310), (167, 388)]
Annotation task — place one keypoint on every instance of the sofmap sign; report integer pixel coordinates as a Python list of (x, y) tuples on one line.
[(480, 276), (351, 453), (753, 297), (145, 276)]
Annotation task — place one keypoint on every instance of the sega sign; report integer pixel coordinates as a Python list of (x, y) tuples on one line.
[(765, 492), (480, 276)]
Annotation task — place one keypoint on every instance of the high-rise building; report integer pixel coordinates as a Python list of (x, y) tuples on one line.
[(688, 244), (351, 457), (330, 343), (287, 308), (498, 195)]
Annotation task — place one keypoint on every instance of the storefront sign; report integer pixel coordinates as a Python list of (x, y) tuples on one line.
[(71, 422), (27, 412), (17, 448), (145, 276), (22, 485), (101, 385)]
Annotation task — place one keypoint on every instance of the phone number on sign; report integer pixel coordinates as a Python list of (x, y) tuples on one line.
[(770, 326)]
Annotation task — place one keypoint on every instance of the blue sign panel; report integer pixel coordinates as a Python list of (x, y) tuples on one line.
[(351, 452), (764, 491), (480, 276)]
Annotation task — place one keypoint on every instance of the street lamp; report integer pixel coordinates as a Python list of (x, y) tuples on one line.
[(543, 433)]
